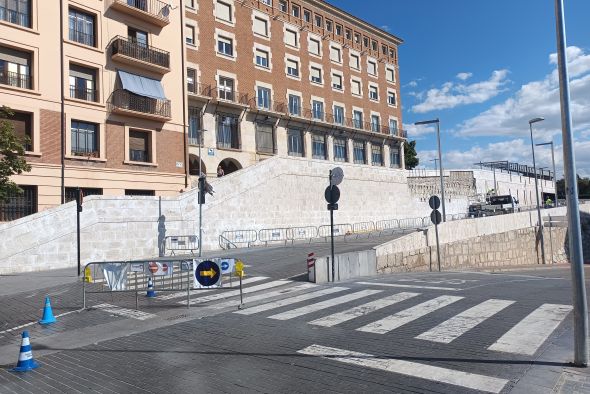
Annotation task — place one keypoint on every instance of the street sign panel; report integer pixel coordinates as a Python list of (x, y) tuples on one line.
[(227, 265), (207, 274), (332, 194), (436, 217), (434, 202), (337, 176)]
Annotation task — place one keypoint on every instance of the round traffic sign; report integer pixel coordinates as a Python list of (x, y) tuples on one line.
[(337, 176), (434, 202), (332, 194), (224, 265), (208, 273), (435, 217)]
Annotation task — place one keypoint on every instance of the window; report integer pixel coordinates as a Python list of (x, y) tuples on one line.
[(374, 45), (318, 21), (16, 11), (23, 127), (335, 55), (357, 38), (384, 49), (314, 46), (261, 26), (228, 136), (317, 109), (84, 139), (81, 26), (394, 161), (226, 89), (390, 74), (328, 25), (189, 34), (265, 138), (365, 42), (191, 4), (261, 58), (375, 123), (338, 30), (292, 68), (19, 205), (393, 126), (295, 142), (82, 83), (137, 36), (356, 87), (338, 114), (373, 93), (263, 98), (138, 192), (348, 34), (195, 136), (295, 11), (392, 53), (318, 147), (359, 153), (139, 146), (355, 62), (307, 15), (377, 155), (391, 100), (191, 80), (291, 37), (337, 81), (223, 11), (15, 68), (357, 116), (225, 46), (340, 149), (282, 5), (72, 192), (267, 2), (294, 105), (316, 75), (372, 68)]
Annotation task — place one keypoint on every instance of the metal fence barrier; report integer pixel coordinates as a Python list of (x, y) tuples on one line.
[(241, 236), (300, 233), (339, 230), (274, 234), (410, 223), (363, 228), (180, 244)]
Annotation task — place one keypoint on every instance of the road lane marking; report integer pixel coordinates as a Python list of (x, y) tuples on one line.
[(472, 381), (235, 284), (267, 295), (34, 322), (227, 294), (530, 333), (130, 313), (399, 319), (341, 317), (451, 329), (291, 300), (409, 286), (304, 310)]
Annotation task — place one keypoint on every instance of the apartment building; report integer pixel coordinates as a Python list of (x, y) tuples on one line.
[(95, 85), (289, 78)]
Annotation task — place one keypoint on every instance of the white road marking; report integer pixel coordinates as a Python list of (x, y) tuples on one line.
[(34, 322), (130, 313), (409, 286), (290, 300), (227, 294), (304, 310), (235, 284), (341, 317), (472, 381), (532, 331), (451, 329), (399, 319), (265, 296)]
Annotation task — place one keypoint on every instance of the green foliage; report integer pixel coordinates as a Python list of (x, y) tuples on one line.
[(410, 155), (583, 188), (12, 152)]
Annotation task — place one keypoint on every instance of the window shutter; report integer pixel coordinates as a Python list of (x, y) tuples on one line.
[(336, 80), (223, 11), (334, 54), (260, 26), (14, 56), (316, 73), (138, 140), (291, 64), (291, 38), (314, 46)]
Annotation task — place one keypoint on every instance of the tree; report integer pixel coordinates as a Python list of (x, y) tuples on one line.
[(583, 188), (12, 152), (410, 155)]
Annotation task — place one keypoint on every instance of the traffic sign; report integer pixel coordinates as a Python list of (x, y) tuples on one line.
[(239, 268), (207, 274), (337, 176), (435, 217), (434, 202), (332, 194)]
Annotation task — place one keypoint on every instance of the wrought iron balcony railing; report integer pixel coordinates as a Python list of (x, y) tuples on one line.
[(155, 11), (142, 52), (123, 100), (83, 93), (200, 89), (15, 17), (24, 81)]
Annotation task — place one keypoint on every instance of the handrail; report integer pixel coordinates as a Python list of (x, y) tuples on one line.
[(144, 52)]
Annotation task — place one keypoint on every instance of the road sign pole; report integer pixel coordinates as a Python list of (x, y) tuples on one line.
[(332, 228), (78, 209), (437, 246)]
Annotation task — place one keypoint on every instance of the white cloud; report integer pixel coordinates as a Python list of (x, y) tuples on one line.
[(452, 95), (418, 132), (412, 84), (464, 76), (538, 98)]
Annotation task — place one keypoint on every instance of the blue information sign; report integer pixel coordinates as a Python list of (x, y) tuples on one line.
[(208, 273)]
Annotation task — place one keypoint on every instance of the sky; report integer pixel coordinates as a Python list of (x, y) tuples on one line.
[(484, 68)]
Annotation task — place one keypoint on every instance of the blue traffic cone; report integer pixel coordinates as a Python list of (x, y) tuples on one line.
[(48, 317), (150, 290), (25, 357)]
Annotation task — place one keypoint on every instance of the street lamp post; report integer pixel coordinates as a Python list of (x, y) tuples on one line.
[(440, 163), (535, 120), (554, 173), (435, 166), (201, 192)]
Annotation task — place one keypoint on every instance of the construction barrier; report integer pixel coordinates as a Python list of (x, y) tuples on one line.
[(235, 237), (340, 230), (180, 244), (275, 234)]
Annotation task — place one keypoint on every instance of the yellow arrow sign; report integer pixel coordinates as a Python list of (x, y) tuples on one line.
[(211, 273)]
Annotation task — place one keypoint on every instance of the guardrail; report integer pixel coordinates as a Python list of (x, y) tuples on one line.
[(180, 243), (274, 234), (241, 236), (363, 228), (339, 230), (300, 233)]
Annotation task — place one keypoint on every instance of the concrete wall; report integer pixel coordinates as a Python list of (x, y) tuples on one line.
[(347, 266)]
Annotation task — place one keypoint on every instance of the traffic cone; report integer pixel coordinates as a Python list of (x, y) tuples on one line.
[(150, 290), (87, 275), (48, 317), (25, 357)]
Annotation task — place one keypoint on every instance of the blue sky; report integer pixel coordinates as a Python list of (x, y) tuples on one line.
[(485, 68)]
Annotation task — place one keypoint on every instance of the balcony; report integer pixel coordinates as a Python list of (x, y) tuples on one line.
[(200, 90), (127, 103), (153, 11), (83, 94), (271, 107), (145, 56), (230, 97), (22, 81)]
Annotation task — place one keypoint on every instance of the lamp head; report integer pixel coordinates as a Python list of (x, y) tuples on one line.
[(535, 120), (426, 122)]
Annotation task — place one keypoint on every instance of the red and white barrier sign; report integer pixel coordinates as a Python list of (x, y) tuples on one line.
[(310, 260)]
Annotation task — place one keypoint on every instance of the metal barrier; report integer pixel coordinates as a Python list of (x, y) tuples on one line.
[(339, 230), (181, 243), (241, 236), (225, 243), (273, 234), (410, 223), (299, 233), (363, 228), (167, 274)]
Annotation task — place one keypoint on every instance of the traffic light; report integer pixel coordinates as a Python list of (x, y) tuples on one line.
[(202, 190)]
